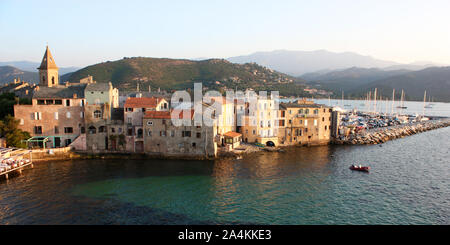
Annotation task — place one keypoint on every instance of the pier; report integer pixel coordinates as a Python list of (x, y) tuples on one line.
[(382, 135), (14, 160)]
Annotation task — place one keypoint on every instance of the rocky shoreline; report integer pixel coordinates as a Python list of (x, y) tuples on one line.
[(383, 135)]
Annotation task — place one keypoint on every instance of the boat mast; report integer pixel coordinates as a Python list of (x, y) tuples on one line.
[(424, 102), (375, 101), (393, 101)]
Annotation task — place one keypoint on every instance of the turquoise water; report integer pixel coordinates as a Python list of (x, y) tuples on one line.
[(409, 184)]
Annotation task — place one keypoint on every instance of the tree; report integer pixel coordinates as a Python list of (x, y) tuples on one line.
[(7, 102), (13, 135)]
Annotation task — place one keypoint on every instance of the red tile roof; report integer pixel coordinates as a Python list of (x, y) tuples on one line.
[(232, 134), (157, 114), (168, 114), (151, 102)]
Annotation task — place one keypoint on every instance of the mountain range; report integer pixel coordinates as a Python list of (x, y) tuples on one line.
[(297, 63), (32, 66), (350, 73), (356, 82)]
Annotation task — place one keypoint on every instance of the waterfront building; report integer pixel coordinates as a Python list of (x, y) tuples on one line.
[(260, 122), (305, 123), (56, 113), (164, 138), (134, 110)]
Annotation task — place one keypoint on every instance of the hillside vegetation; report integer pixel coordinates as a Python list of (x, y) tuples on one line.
[(171, 74)]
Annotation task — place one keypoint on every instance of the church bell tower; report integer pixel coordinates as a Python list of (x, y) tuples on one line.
[(48, 71)]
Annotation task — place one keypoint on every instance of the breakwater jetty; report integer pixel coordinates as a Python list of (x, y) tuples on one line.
[(382, 135)]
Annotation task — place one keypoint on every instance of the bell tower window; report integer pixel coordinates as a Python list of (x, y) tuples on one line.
[(53, 80)]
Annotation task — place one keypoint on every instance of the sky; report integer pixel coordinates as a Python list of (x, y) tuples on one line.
[(81, 33)]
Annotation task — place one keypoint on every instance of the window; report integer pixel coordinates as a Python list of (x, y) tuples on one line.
[(102, 129), (113, 130), (307, 111), (21, 121), (254, 132), (199, 135), (323, 119), (37, 129), (129, 120), (120, 130), (315, 122), (49, 102), (186, 134), (97, 114), (326, 127), (92, 130), (316, 112), (300, 111), (172, 133), (67, 102), (41, 102), (194, 144), (58, 102), (162, 133), (140, 133), (56, 130), (37, 116), (82, 114), (83, 130), (53, 80), (56, 115), (68, 130), (130, 132), (150, 123), (164, 121), (68, 114), (149, 133)]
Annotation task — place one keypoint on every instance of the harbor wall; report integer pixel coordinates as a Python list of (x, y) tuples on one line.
[(382, 135)]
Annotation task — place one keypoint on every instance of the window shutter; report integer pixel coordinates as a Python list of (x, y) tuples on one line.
[(56, 115)]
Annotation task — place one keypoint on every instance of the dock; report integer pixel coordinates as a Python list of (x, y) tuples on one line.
[(13, 160)]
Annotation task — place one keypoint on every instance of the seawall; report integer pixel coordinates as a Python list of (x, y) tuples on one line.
[(382, 135)]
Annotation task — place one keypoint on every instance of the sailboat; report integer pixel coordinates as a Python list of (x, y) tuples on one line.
[(425, 105), (401, 106)]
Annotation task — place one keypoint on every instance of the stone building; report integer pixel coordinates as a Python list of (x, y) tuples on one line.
[(304, 123), (102, 93), (134, 110), (163, 137), (48, 71), (55, 112), (19, 88)]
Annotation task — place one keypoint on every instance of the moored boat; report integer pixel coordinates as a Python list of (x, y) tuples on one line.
[(360, 168)]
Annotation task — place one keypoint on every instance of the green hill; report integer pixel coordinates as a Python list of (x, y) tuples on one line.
[(171, 74)]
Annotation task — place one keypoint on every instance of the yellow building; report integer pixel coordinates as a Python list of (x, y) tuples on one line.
[(304, 123), (260, 123)]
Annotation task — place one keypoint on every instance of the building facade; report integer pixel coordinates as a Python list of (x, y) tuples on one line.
[(305, 123)]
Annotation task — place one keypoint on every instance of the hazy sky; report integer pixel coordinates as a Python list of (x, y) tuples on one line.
[(83, 32)]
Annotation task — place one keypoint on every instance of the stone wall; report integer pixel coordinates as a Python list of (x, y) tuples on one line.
[(383, 135)]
